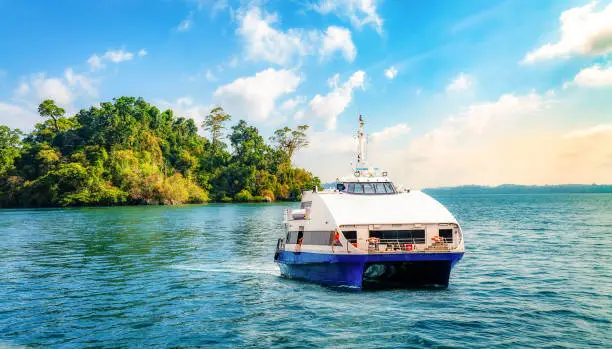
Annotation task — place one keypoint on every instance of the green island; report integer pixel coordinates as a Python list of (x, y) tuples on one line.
[(128, 152)]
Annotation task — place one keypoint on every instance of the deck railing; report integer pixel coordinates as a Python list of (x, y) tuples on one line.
[(393, 245)]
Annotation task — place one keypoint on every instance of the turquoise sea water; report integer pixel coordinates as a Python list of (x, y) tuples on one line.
[(537, 274)]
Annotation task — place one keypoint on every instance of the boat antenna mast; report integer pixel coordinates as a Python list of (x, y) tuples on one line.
[(361, 152)]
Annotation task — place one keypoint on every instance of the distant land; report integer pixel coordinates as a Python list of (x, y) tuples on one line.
[(523, 189)]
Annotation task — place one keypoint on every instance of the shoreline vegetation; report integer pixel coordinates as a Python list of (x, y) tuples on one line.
[(128, 152), (523, 189)]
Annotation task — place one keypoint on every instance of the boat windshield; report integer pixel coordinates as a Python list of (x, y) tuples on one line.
[(369, 188)]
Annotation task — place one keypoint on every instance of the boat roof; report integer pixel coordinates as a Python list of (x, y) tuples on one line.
[(402, 208)]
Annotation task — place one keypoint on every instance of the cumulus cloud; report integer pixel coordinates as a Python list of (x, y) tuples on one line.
[(462, 143), (584, 31), (32, 90), (359, 12), (338, 39), (95, 62), (595, 76), (292, 103), (15, 116), (255, 96), (115, 56), (263, 42), (461, 83), (390, 133), (80, 81), (330, 106), (40, 87), (508, 140), (391, 73)]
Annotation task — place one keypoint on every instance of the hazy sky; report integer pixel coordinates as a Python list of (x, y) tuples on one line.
[(453, 92)]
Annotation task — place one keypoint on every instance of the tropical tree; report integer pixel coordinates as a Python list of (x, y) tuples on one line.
[(214, 124), (49, 109), (288, 141)]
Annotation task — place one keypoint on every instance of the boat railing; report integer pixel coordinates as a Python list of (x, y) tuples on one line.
[(393, 245)]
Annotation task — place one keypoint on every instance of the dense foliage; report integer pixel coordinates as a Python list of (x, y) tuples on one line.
[(129, 152)]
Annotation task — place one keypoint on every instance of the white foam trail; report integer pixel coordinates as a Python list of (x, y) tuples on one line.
[(269, 269)]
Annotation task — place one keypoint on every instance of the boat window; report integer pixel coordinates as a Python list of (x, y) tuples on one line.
[(358, 188), (351, 187), (292, 237), (340, 187), (416, 236), (447, 234), (368, 188), (380, 188), (389, 188), (306, 204), (318, 237), (351, 236)]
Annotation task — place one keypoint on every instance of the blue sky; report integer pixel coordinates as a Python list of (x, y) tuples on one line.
[(454, 92)]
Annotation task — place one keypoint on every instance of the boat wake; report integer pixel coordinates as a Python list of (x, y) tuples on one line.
[(232, 268)]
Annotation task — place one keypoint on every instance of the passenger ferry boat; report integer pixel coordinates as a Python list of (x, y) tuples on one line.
[(369, 233)]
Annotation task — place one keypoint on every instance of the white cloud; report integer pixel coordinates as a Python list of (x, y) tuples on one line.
[(265, 43), (595, 76), (118, 56), (63, 90), (330, 106), (80, 81), (15, 116), (115, 56), (338, 39), (22, 90), (255, 97), (360, 12), (95, 62), (391, 73), (463, 143), (590, 132), (292, 103), (390, 133), (460, 83), (584, 31), (508, 140), (51, 88)]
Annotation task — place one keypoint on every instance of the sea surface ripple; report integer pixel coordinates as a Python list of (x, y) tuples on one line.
[(536, 274)]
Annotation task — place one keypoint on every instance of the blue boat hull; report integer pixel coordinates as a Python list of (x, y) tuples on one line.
[(369, 270)]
